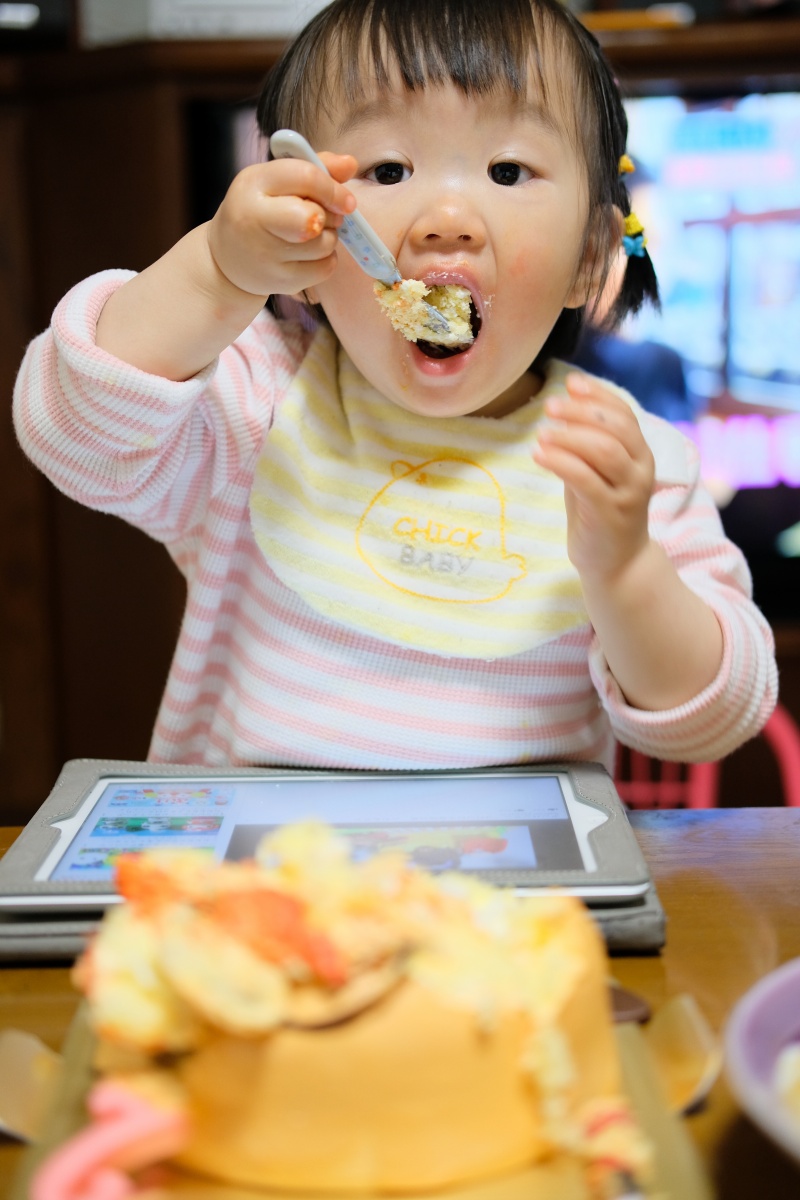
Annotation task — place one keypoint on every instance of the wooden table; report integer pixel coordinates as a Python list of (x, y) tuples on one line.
[(729, 880)]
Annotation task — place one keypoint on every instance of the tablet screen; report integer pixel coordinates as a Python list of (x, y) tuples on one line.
[(467, 823)]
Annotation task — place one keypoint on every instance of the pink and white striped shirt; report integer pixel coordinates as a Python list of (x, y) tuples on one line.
[(259, 677)]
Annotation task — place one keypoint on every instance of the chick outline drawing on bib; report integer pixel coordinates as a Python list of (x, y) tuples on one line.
[(438, 535), (449, 552)]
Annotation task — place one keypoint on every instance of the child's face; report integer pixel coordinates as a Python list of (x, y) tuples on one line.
[(481, 192)]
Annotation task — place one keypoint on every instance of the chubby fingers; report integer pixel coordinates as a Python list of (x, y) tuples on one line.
[(593, 434), (341, 166), (299, 201), (277, 227)]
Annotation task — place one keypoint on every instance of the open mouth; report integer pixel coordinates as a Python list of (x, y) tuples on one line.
[(432, 350)]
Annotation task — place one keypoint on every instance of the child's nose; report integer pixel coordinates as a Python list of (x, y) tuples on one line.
[(449, 222)]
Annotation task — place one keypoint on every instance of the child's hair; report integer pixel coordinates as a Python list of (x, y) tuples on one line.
[(481, 48)]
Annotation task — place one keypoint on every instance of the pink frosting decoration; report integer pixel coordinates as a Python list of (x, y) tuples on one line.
[(126, 1132)]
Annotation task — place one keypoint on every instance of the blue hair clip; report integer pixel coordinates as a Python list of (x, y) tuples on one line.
[(634, 245), (633, 239)]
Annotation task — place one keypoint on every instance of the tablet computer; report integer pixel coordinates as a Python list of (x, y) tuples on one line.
[(529, 828)]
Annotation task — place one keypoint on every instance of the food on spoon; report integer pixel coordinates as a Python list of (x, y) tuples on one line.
[(406, 305)]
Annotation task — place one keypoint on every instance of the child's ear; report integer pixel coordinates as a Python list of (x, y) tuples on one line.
[(603, 238)]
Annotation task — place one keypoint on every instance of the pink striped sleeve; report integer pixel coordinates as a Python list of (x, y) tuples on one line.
[(736, 705), (147, 449)]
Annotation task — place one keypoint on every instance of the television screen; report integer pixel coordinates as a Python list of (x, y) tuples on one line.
[(718, 191), (717, 187)]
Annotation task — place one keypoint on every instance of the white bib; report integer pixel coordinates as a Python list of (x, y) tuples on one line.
[(438, 535)]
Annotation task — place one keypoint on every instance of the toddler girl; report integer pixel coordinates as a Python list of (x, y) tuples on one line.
[(399, 555)]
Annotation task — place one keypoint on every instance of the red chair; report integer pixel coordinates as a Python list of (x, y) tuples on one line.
[(784, 739), (644, 782)]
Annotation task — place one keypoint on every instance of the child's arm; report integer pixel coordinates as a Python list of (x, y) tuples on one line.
[(275, 232), (662, 642)]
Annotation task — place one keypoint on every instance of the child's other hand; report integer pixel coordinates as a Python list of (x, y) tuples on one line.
[(594, 444), (276, 229)]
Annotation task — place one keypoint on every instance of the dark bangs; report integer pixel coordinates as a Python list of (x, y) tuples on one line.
[(355, 46)]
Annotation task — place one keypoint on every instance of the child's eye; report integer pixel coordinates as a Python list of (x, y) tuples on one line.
[(509, 173), (389, 172)]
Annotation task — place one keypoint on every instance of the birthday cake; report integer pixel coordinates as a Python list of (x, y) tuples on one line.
[(308, 1023), (406, 305)]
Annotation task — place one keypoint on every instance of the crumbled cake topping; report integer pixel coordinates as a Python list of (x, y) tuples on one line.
[(245, 947)]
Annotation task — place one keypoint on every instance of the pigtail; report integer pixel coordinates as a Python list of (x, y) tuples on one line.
[(612, 166), (608, 164), (639, 283)]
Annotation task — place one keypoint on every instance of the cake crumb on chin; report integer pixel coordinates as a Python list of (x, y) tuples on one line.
[(406, 305)]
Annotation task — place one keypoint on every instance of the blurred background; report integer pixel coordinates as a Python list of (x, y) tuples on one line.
[(121, 124)]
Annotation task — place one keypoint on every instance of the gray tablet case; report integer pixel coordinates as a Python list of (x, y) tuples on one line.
[(633, 926)]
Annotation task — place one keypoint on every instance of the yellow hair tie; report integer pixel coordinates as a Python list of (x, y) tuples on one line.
[(633, 240), (625, 165)]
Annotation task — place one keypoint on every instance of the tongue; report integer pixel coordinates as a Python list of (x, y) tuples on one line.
[(434, 351)]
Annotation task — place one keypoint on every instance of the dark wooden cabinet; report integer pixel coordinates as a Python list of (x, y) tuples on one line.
[(95, 172)]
